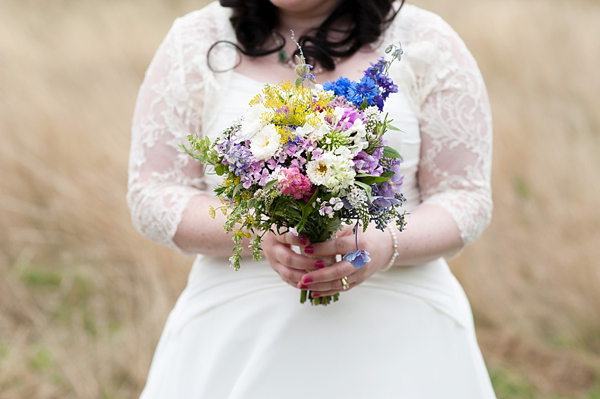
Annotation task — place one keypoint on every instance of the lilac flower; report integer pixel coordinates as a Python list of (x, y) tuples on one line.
[(264, 177), (341, 102), (358, 259), (326, 210), (392, 186), (385, 202), (317, 154), (347, 120), (369, 164), (271, 164)]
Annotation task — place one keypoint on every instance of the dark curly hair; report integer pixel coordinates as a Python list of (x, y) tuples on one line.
[(254, 22)]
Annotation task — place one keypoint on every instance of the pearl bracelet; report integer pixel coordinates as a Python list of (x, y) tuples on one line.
[(387, 267)]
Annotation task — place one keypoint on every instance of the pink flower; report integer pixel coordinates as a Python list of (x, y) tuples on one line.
[(294, 183)]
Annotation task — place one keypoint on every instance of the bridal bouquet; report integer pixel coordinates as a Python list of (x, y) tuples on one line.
[(309, 158)]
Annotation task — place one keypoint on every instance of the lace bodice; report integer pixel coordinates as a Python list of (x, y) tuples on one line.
[(180, 95)]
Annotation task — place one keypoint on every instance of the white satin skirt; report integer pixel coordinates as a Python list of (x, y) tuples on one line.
[(406, 333)]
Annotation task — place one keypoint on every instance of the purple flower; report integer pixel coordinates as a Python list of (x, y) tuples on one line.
[(317, 154), (376, 68), (358, 258), (347, 120), (369, 164), (385, 202), (392, 186)]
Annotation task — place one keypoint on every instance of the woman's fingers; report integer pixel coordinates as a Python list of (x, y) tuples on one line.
[(291, 239), (329, 278), (287, 274), (340, 245), (284, 255)]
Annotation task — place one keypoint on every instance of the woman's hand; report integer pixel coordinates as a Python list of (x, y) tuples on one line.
[(290, 266), (328, 281)]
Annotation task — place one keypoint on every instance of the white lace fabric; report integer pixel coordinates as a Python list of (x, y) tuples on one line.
[(180, 95)]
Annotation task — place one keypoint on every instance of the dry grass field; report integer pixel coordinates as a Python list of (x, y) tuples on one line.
[(83, 297)]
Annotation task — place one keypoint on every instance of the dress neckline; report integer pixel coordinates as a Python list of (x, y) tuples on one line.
[(248, 78)]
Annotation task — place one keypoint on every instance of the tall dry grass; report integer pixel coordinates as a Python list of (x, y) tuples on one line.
[(83, 297)]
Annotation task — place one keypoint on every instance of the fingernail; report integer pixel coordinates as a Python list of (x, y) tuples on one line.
[(309, 250), (303, 287), (307, 280), (315, 295), (303, 240), (320, 264)]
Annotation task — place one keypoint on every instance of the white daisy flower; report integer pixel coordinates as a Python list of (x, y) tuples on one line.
[(336, 172)]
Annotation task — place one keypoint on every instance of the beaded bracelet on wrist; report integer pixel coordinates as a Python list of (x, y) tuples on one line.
[(395, 240)]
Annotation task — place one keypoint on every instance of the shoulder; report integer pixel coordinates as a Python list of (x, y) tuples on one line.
[(210, 23), (425, 33), (418, 21), (429, 42)]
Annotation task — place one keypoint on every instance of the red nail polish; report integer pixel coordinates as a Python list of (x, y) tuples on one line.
[(307, 280), (303, 287), (309, 250), (315, 295), (303, 240), (320, 264)]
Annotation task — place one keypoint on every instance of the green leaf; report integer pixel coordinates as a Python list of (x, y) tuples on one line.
[(269, 185), (389, 152), (373, 179), (392, 127), (307, 210), (298, 81), (364, 105), (365, 187), (237, 189), (220, 169)]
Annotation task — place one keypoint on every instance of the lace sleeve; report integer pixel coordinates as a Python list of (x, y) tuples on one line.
[(456, 132), (162, 178)]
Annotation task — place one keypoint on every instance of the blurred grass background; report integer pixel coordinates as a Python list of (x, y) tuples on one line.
[(84, 297)]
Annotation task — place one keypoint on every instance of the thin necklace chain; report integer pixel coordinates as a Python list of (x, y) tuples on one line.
[(285, 59)]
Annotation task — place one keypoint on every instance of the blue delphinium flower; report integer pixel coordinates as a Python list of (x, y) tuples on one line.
[(376, 68), (339, 87), (358, 259), (365, 89)]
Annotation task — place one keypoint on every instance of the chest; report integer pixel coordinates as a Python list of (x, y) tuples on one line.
[(268, 69)]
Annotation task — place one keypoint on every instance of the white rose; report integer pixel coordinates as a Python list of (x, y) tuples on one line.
[(252, 123), (265, 143)]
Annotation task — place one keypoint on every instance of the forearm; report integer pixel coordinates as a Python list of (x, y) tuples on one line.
[(199, 233), (431, 232)]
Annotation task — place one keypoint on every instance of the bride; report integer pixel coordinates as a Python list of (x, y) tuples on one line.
[(403, 327)]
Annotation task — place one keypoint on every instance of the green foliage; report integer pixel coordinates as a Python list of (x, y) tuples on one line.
[(370, 179), (508, 386), (4, 350), (42, 360), (389, 152), (202, 150), (38, 276)]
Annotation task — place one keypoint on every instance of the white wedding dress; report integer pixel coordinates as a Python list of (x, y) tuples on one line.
[(406, 333)]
